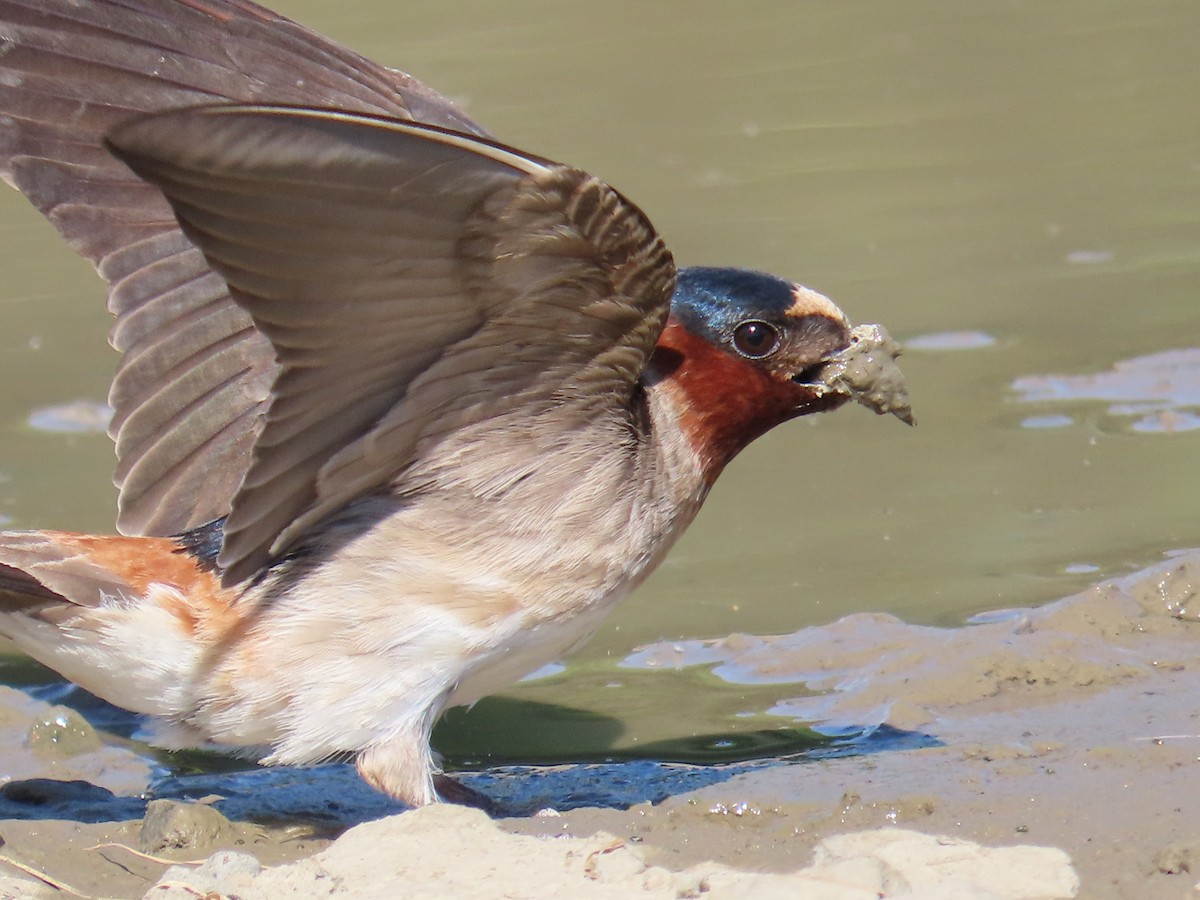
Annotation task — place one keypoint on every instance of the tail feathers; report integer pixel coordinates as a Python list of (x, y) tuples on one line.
[(38, 573)]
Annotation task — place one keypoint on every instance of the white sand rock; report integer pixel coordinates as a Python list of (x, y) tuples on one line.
[(225, 873), (933, 867), (451, 852)]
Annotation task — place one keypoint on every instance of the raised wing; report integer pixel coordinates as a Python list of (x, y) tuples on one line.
[(196, 374), (412, 281)]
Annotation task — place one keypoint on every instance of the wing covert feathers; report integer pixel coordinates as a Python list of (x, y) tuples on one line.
[(411, 281)]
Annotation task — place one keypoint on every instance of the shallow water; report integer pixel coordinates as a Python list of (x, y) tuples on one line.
[(1011, 185)]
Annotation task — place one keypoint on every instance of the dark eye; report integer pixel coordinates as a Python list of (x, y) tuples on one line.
[(756, 339)]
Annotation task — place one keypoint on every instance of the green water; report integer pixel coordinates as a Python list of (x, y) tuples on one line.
[(1030, 171)]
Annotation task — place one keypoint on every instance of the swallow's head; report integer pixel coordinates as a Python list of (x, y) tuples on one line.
[(744, 351)]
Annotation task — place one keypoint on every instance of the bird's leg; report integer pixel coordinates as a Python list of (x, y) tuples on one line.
[(401, 766)]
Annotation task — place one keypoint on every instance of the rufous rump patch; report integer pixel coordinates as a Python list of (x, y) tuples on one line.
[(149, 564)]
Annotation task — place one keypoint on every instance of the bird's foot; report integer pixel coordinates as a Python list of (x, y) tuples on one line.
[(452, 791)]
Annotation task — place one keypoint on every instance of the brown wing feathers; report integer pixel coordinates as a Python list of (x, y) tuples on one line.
[(196, 374), (391, 282), (412, 281)]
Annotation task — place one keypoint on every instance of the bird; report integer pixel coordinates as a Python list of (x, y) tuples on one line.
[(401, 412)]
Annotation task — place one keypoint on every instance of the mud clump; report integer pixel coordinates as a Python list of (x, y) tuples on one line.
[(172, 825), (867, 373)]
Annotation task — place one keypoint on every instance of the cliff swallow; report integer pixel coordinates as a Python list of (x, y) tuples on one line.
[(402, 412)]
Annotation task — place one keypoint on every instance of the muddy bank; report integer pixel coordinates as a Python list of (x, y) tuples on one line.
[(1071, 727), (1074, 725)]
